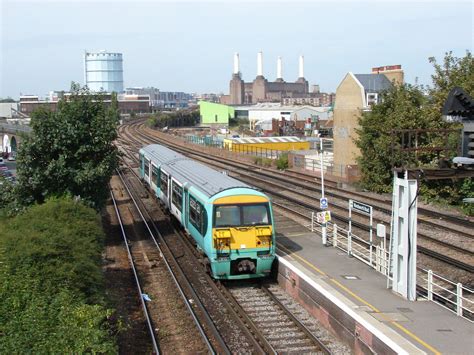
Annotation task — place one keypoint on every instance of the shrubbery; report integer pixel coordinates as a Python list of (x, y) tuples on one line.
[(414, 107), (282, 162), (185, 118), (51, 284)]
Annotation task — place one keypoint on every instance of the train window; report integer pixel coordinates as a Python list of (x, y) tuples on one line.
[(177, 196), (241, 215), (164, 183), (155, 172), (147, 167), (197, 215), (227, 216), (255, 215)]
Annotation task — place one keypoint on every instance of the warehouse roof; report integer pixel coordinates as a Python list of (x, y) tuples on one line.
[(374, 82), (256, 140)]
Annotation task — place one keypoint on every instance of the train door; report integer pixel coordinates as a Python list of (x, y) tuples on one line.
[(155, 182), (142, 165), (176, 206), (146, 170), (185, 217), (164, 187)]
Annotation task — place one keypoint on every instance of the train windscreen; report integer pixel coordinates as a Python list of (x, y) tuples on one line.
[(241, 215)]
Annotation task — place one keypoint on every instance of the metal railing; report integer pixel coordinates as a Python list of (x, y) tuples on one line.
[(453, 296), (14, 128)]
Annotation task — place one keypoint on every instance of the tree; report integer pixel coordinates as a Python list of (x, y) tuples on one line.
[(409, 107), (401, 108), (51, 282), (70, 151), (7, 100)]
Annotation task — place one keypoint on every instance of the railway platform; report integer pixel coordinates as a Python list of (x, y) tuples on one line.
[(352, 300)]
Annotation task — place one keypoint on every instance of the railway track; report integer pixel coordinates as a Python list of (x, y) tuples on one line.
[(283, 330), (452, 261), (232, 166), (381, 203), (234, 309), (151, 327), (154, 252)]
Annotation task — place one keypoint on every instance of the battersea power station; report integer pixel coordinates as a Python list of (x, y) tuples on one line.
[(262, 90)]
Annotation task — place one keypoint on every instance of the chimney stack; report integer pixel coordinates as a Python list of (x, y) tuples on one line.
[(260, 64), (236, 64), (279, 69), (301, 67)]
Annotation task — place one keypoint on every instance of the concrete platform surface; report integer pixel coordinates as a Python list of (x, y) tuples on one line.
[(426, 325)]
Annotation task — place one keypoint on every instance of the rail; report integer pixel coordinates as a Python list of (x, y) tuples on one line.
[(187, 302), (149, 322)]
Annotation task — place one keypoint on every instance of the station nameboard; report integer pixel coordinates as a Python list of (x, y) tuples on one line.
[(360, 207)]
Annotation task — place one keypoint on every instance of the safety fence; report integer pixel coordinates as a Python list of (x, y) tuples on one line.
[(455, 297), (314, 164), (255, 151), (209, 141)]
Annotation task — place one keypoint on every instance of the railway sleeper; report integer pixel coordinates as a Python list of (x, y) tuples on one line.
[(292, 343), (290, 330), (280, 336), (270, 313), (266, 318)]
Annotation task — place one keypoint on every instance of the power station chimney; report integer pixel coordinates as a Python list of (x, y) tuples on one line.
[(301, 67), (279, 69), (260, 64), (236, 64)]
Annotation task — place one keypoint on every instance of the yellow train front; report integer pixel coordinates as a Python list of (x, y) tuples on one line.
[(231, 222), (243, 235)]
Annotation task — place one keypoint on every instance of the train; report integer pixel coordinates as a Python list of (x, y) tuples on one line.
[(231, 222)]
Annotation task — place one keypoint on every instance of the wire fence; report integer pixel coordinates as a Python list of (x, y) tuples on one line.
[(453, 296)]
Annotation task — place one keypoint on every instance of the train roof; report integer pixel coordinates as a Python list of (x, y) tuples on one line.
[(161, 154), (207, 180), (186, 170)]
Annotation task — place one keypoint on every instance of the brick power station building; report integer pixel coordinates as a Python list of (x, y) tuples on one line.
[(262, 90)]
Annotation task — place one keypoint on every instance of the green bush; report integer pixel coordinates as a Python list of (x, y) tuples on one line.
[(51, 283), (257, 160), (267, 162), (60, 243), (282, 162)]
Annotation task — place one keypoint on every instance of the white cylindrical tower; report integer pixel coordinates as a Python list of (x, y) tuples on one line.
[(279, 69), (260, 64), (104, 71), (236, 63), (301, 67)]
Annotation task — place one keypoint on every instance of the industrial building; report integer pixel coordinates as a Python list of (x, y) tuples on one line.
[(103, 71), (127, 104), (215, 114), (162, 99), (357, 92), (262, 90)]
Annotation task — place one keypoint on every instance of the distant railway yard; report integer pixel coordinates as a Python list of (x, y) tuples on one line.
[(445, 237), (191, 312)]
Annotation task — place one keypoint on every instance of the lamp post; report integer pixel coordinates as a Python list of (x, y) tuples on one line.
[(324, 225)]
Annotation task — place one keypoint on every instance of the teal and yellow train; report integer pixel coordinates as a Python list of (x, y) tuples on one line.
[(231, 222)]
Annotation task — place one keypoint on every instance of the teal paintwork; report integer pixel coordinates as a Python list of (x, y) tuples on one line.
[(220, 266)]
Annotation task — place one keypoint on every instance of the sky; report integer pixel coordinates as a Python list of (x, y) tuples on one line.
[(189, 45)]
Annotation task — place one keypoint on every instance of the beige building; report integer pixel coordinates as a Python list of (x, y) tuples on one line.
[(356, 93)]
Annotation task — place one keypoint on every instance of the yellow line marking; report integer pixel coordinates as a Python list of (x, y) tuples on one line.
[(360, 299), (293, 254), (295, 235)]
